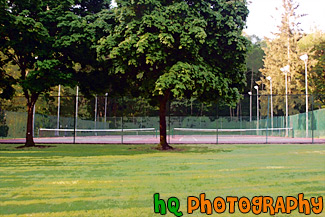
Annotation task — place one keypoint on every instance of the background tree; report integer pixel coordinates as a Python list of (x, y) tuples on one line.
[(281, 51), (178, 49), (254, 61)]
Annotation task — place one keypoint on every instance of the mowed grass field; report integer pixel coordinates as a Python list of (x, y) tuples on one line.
[(120, 180)]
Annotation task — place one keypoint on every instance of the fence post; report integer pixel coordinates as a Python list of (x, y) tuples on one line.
[(95, 114), (75, 120), (57, 133), (169, 102), (217, 131), (105, 110), (240, 119), (34, 120), (267, 118), (312, 118), (122, 122)]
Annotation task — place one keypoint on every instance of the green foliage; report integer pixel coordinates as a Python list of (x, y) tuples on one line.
[(314, 45), (45, 39), (29, 34), (6, 85), (41, 37), (254, 61), (162, 46), (3, 126), (281, 51), (87, 7), (77, 39), (279, 55)]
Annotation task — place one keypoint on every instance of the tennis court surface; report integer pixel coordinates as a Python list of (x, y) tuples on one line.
[(179, 136)]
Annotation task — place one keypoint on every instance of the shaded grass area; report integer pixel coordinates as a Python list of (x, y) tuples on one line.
[(120, 180)]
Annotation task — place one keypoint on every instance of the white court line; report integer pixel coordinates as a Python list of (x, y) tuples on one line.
[(181, 139), (194, 139)]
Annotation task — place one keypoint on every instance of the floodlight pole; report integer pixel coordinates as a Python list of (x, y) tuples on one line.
[(96, 114), (270, 79), (250, 106), (76, 122), (287, 103), (33, 120), (58, 117), (257, 108), (34, 113), (105, 115), (285, 70), (305, 59)]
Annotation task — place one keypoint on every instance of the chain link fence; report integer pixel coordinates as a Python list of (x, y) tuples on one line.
[(102, 119)]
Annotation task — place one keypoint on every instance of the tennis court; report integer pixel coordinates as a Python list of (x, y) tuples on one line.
[(105, 120), (182, 137)]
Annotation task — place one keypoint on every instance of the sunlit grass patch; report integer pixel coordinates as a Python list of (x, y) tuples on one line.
[(120, 180)]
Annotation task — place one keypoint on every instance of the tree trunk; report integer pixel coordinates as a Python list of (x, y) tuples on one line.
[(163, 145), (30, 121)]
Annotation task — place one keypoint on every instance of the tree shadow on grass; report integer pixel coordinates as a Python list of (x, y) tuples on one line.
[(35, 146)]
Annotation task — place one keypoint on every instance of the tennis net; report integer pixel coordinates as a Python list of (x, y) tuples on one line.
[(261, 135), (229, 130), (46, 132), (242, 132)]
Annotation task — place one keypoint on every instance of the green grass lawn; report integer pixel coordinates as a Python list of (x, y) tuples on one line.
[(120, 180)]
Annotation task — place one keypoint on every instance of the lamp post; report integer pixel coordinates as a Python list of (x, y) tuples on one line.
[(96, 114), (305, 59), (106, 94), (270, 79), (58, 116), (76, 117), (250, 106), (285, 70), (257, 108)]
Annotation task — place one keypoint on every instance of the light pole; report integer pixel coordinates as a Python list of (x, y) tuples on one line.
[(76, 117), (285, 70), (33, 120), (95, 114), (257, 108), (250, 106), (305, 59), (106, 94), (58, 116), (270, 79)]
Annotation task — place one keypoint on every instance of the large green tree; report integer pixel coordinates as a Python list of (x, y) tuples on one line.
[(26, 41), (178, 49)]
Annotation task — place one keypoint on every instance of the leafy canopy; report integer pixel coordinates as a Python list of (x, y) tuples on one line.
[(314, 45), (28, 30), (46, 39), (189, 48)]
